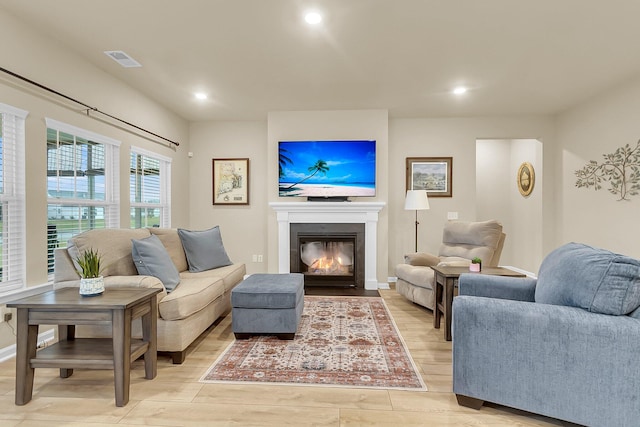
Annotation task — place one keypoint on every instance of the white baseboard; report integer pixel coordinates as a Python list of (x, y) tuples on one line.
[(392, 279), (43, 339), (383, 286)]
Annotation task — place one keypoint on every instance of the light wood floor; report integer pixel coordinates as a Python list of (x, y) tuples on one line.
[(176, 398)]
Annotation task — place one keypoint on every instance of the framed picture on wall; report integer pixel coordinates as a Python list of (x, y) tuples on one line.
[(230, 181), (433, 174), (525, 179)]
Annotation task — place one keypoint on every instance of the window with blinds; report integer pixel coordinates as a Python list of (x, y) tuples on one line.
[(12, 198), (82, 184), (149, 189)]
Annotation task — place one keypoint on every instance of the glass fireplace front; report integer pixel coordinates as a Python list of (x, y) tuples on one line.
[(328, 254), (327, 257)]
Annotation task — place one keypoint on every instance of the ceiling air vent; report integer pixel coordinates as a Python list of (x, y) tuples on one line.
[(122, 58)]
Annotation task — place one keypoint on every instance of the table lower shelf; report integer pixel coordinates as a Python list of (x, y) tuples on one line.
[(90, 353)]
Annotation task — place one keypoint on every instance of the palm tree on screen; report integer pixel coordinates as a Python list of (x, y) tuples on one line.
[(319, 166), (283, 160)]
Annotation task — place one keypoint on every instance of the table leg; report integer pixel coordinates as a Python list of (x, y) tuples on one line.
[(122, 354), (26, 345), (438, 299), (66, 333), (149, 335), (448, 303)]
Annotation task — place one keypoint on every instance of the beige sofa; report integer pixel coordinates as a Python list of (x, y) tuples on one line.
[(461, 242), (183, 314)]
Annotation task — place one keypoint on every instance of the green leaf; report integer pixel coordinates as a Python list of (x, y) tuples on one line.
[(89, 262)]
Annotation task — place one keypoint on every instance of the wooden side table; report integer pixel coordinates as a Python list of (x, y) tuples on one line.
[(66, 308), (445, 280)]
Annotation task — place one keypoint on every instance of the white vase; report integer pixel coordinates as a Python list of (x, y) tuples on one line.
[(474, 267), (92, 287)]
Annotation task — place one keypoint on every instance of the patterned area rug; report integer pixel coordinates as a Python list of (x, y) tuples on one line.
[(340, 342)]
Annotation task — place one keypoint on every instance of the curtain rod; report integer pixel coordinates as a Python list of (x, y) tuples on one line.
[(87, 106)]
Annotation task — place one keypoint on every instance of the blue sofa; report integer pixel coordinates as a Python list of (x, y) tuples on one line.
[(566, 345)]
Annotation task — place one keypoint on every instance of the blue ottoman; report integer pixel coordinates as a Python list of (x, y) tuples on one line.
[(267, 304)]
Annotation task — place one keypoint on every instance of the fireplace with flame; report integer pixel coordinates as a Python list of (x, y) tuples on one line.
[(328, 254)]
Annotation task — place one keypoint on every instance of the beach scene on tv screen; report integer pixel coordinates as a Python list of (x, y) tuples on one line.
[(327, 168)]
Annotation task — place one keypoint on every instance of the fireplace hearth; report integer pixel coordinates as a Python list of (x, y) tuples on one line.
[(328, 254)]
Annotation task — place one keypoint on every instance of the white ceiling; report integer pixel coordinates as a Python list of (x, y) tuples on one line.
[(255, 56)]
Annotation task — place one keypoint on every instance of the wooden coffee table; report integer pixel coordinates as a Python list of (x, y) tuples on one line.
[(445, 280), (66, 308)]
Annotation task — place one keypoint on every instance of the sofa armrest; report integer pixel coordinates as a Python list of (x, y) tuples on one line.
[(136, 282), (454, 261), (63, 268), (422, 259), (558, 361), (503, 287), (133, 282)]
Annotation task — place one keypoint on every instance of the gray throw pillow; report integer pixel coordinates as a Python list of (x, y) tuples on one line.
[(152, 259), (595, 279), (204, 249)]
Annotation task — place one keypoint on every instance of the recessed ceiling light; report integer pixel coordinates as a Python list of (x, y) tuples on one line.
[(460, 90), (313, 18), (201, 95)]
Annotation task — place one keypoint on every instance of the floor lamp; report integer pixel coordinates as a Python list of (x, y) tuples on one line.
[(416, 200)]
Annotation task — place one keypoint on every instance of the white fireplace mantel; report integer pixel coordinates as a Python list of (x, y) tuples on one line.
[(330, 212)]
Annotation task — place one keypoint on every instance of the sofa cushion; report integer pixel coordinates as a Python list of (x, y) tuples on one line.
[(635, 313), (151, 259), (230, 274), (595, 279), (172, 243), (204, 249), (191, 296), (416, 275), (113, 245)]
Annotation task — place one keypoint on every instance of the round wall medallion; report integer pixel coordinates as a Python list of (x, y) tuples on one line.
[(525, 179)]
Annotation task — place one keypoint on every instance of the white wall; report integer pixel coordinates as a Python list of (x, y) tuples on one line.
[(243, 227), (252, 229), (497, 197), (527, 220), (493, 185), (585, 133), (456, 137)]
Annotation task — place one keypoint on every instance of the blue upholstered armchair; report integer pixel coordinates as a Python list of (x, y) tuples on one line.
[(566, 345)]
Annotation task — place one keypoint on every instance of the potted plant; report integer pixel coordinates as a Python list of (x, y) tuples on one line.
[(476, 265), (91, 282)]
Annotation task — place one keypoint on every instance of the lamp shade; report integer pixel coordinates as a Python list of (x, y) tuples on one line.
[(416, 200)]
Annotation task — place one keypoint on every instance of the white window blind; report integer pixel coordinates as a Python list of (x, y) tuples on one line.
[(149, 189), (82, 184), (12, 198)]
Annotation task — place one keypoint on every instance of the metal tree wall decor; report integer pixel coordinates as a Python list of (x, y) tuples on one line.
[(621, 169)]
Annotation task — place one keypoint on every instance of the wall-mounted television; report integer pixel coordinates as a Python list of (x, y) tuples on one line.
[(327, 169)]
